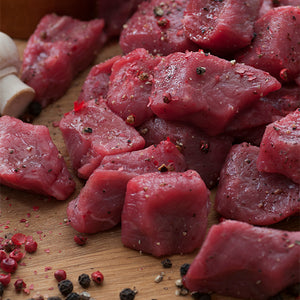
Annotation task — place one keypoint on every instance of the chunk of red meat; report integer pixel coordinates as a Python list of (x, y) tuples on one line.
[(267, 109), (99, 204), (276, 47), (162, 157), (157, 27), (115, 13), (270, 4), (56, 52), (130, 99), (244, 261), (96, 84), (202, 153), (165, 214), (205, 90), (92, 131), (280, 147), (258, 198), (30, 161), (217, 26)]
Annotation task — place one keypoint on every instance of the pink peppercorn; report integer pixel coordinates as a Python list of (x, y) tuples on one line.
[(98, 277), (19, 285), (2, 255), (5, 279), (9, 265), (16, 254), (80, 240), (30, 246), (18, 239), (60, 275)]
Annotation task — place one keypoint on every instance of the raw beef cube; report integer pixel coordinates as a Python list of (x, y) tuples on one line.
[(202, 153), (166, 213), (244, 261), (130, 86), (162, 157), (258, 198), (217, 26), (115, 13), (280, 147), (206, 90), (57, 51), (96, 84), (30, 161), (276, 47), (157, 26), (270, 4), (99, 204), (92, 131), (267, 109)]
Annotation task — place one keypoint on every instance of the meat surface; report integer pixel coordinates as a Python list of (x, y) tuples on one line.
[(206, 90), (270, 4), (115, 13), (157, 26), (267, 109), (244, 261), (276, 47), (130, 99), (99, 204), (204, 154), (162, 157), (96, 83), (247, 195), (30, 161), (280, 147), (92, 131), (166, 213), (57, 51), (216, 25)]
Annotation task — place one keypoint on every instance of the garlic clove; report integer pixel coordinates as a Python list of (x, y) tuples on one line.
[(15, 96)]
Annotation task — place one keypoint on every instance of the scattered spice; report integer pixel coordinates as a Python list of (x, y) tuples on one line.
[(163, 22), (18, 239), (166, 263), (87, 130), (19, 285), (130, 120), (184, 268), (284, 74), (127, 294), (5, 279), (158, 11), (85, 295), (60, 275), (84, 280), (65, 287), (204, 146), (16, 254), (159, 277), (200, 70), (97, 277), (80, 240), (30, 245)]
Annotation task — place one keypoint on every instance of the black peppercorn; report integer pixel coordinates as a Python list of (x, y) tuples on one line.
[(166, 263), (84, 280), (65, 287), (127, 294), (73, 296), (183, 269), (1, 289)]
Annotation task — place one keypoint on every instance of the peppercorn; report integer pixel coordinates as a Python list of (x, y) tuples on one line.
[(80, 240), (73, 296), (184, 268), (97, 277), (60, 275), (127, 294), (1, 289), (19, 285), (84, 280), (65, 287), (54, 298), (166, 263), (200, 70)]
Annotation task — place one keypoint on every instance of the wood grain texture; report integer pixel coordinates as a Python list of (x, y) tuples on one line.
[(44, 219)]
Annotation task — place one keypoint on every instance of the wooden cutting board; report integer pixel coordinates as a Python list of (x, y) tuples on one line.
[(45, 220)]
